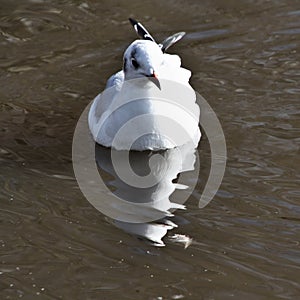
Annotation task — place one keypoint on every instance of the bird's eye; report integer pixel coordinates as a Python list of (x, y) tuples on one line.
[(134, 63)]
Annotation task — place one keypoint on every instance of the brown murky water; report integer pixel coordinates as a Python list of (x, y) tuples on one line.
[(55, 57)]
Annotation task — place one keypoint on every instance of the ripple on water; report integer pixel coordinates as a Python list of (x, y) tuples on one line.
[(55, 58)]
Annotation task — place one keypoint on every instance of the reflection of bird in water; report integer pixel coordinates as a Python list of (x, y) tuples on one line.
[(144, 59), (149, 105), (153, 202)]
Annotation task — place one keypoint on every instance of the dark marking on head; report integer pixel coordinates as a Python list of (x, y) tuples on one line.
[(133, 59), (133, 52), (134, 63), (125, 65)]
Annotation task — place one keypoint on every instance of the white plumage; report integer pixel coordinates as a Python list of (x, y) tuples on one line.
[(149, 105)]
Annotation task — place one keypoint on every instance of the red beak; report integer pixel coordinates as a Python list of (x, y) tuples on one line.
[(154, 79)]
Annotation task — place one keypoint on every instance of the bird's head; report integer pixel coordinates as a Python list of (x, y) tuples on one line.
[(142, 58)]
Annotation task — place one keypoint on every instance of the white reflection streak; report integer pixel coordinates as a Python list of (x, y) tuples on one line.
[(215, 135)]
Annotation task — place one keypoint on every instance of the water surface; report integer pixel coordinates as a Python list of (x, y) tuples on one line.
[(55, 57)]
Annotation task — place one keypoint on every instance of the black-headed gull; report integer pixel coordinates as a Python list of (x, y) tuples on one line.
[(149, 104)]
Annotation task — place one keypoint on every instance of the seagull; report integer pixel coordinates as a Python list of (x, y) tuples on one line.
[(149, 104)]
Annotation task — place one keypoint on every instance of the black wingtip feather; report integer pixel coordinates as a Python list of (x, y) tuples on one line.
[(133, 21), (141, 30)]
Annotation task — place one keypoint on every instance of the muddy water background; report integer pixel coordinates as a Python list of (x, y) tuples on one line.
[(55, 56)]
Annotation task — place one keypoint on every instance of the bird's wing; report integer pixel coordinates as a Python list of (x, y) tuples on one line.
[(171, 40), (141, 30), (115, 80), (100, 107)]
